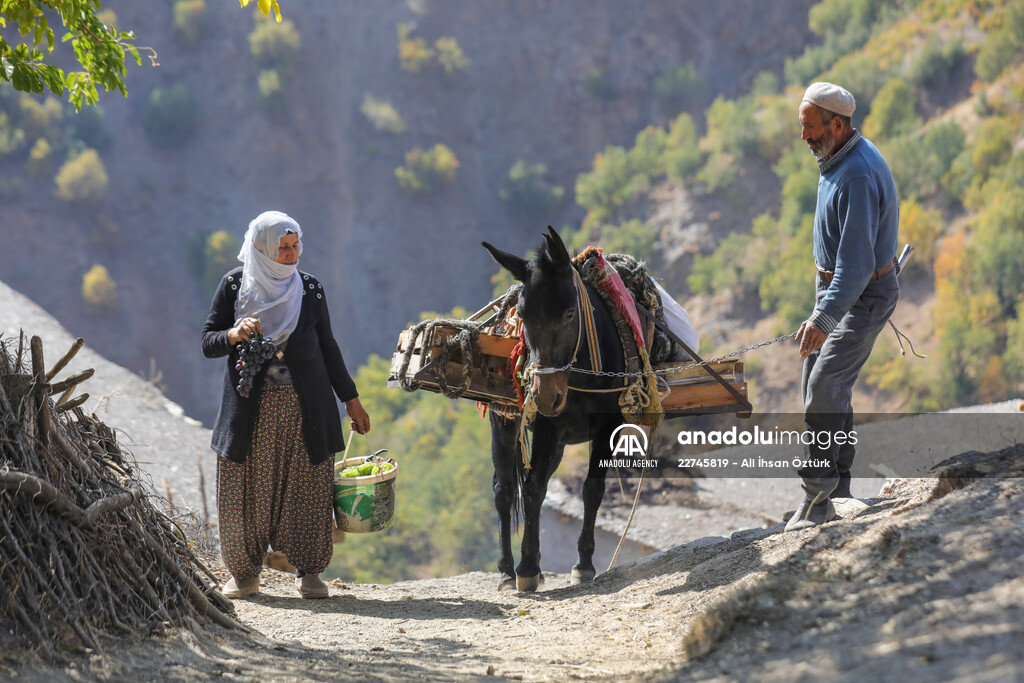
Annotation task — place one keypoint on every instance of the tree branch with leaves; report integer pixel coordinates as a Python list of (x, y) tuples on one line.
[(27, 42)]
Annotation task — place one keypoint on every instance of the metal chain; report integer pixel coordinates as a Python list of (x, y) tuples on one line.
[(676, 368)]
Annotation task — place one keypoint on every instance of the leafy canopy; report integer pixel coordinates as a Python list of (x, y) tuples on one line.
[(100, 50)]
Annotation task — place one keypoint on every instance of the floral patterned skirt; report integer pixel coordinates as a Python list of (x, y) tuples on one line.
[(276, 498)]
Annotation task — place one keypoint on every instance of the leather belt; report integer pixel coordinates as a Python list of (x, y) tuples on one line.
[(827, 275)]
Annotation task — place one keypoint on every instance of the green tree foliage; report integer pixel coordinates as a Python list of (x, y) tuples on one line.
[(718, 173), (382, 115), (413, 53), (12, 138), (99, 50), (919, 163), (773, 261), (845, 25), (41, 118), (920, 226), (787, 288), (88, 126), (992, 146), (728, 268), (731, 133), (450, 55), (619, 175), (190, 19), (678, 89), (171, 116), (978, 286), (39, 158), (765, 83), (634, 237), (82, 178), (271, 95), (98, 290), (1003, 43), (426, 170), (599, 86), (275, 45), (526, 190), (773, 117), (864, 76), (935, 61), (1013, 356), (681, 157), (892, 111), (902, 376), (445, 521), (220, 254), (998, 246)]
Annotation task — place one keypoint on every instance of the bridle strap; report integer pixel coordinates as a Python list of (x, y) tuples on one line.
[(585, 319)]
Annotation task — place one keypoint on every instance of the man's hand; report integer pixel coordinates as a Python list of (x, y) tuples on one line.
[(360, 418), (811, 337)]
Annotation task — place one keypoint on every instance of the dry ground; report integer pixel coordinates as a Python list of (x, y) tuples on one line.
[(922, 584)]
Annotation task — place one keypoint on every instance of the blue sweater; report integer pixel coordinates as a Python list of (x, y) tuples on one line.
[(856, 224)]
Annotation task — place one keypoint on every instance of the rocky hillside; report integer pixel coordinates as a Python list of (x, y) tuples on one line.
[(547, 82)]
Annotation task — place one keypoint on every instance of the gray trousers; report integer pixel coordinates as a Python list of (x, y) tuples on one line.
[(828, 378)]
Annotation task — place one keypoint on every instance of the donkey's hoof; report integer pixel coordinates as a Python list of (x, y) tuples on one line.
[(528, 584), (579, 576), (507, 583)]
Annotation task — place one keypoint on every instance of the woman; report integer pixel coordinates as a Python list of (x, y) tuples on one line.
[(276, 441)]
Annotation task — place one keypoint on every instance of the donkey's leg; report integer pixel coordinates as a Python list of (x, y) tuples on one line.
[(546, 450), (504, 451), (593, 494)]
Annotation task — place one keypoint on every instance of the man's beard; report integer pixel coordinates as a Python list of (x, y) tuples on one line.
[(824, 146)]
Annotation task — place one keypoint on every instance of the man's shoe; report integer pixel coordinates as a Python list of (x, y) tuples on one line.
[(310, 586), (843, 489), (812, 512), (240, 588)]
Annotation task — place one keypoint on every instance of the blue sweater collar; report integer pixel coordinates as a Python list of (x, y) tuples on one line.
[(826, 165)]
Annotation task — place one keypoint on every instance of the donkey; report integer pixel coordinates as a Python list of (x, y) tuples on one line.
[(550, 309)]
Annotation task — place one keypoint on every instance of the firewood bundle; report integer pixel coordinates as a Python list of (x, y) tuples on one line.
[(84, 555)]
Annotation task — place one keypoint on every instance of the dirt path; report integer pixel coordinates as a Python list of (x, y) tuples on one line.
[(922, 585)]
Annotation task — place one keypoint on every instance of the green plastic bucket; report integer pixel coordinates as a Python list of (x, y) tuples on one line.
[(365, 504)]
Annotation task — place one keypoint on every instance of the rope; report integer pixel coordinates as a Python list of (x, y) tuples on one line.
[(680, 368), (899, 339), (636, 501), (466, 340)]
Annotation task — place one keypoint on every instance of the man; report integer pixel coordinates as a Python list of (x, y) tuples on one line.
[(855, 239)]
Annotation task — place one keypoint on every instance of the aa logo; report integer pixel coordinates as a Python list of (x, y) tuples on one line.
[(628, 441)]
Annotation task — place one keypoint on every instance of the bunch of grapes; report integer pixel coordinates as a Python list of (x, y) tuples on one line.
[(252, 355)]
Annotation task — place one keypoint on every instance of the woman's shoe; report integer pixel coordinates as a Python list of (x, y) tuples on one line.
[(240, 588), (310, 586)]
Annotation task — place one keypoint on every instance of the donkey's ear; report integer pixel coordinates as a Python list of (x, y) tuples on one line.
[(557, 252), (514, 264)]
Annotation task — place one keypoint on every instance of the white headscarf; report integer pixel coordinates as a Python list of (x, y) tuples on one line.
[(270, 291)]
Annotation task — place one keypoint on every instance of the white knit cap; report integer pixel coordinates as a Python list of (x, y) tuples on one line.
[(832, 97)]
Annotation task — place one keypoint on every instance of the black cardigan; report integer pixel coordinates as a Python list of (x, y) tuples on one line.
[(311, 354)]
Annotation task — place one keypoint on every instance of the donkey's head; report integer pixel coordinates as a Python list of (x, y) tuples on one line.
[(550, 313)]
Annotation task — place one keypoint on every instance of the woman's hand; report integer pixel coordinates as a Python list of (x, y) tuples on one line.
[(358, 415), (244, 330)]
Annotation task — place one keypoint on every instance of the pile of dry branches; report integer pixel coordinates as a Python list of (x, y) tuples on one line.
[(84, 555)]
